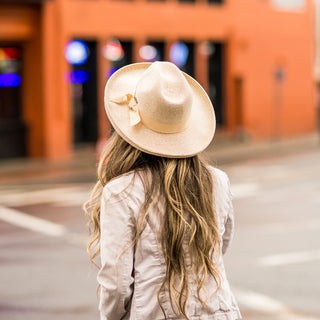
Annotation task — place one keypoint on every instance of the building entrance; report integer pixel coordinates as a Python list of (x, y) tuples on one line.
[(12, 127), (216, 80), (82, 56)]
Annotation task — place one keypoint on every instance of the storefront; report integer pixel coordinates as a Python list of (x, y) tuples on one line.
[(56, 56)]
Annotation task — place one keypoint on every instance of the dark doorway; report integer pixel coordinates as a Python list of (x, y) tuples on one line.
[(83, 80), (238, 99), (159, 50), (126, 57), (189, 65), (215, 88), (12, 127)]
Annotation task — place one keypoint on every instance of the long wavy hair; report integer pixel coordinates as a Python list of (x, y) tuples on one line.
[(186, 186)]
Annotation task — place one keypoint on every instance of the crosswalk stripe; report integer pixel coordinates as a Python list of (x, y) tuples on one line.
[(27, 221)]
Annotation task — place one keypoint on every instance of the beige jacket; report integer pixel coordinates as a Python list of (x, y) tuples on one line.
[(130, 279)]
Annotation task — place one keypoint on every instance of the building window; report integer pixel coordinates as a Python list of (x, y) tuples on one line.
[(124, 57), (12, 128), (215, 88), (188, 67), (82, 56), (153, 51), (182, 55), (119, 53)]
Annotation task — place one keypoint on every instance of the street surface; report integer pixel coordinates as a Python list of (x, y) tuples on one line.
[(273, 264)]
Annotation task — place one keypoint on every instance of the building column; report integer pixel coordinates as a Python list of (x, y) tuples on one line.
[(168, 44), (233, 92), (137, 44), (32, 93), (57, 117), (104, 65), (201, 65)]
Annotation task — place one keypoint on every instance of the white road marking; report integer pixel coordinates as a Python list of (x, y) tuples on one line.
[(27, 221), (289, 258), (48, 228), (266, 305), (67, 196), (259, 302), (244, 190), (281, 227)]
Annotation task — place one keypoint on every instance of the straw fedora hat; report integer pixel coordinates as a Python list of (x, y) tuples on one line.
[(159, 109)]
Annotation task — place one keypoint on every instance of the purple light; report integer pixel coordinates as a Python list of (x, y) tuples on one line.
[(179, 53), (10, 80), (112, 71), (77, 76)]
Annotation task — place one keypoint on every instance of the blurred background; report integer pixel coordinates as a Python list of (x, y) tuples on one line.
[(258, 60)]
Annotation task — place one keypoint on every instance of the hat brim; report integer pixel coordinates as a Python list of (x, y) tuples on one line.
[(192, 140)]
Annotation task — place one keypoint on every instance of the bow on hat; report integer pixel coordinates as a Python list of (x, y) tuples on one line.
[(132, 104)]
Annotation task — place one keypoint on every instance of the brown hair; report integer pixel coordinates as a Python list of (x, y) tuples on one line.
[(186, 186)]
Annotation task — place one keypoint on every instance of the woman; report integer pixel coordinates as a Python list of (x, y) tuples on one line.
[(161, 216)]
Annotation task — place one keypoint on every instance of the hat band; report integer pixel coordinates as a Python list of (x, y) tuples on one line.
[(136, 116), (161, 127)]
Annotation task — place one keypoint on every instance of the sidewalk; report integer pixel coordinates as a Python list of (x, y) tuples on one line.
[(81, 167), (223, 151)]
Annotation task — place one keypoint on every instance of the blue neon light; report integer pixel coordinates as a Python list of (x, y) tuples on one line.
[(78, 76), (179, 53), (10, 80), (76, 52)]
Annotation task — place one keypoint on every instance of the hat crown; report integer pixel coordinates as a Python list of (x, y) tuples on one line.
[(164, 98), (160, 110)]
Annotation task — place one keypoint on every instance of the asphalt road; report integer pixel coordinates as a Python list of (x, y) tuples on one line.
[(273, 264)]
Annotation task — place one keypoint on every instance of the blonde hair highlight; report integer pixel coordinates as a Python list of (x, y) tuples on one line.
[(188, 222)]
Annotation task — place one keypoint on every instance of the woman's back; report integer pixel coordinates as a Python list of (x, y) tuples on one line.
[(123, 198)]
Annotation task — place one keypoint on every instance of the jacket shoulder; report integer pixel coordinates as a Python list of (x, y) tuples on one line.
[(219, 177), (127, 187)]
